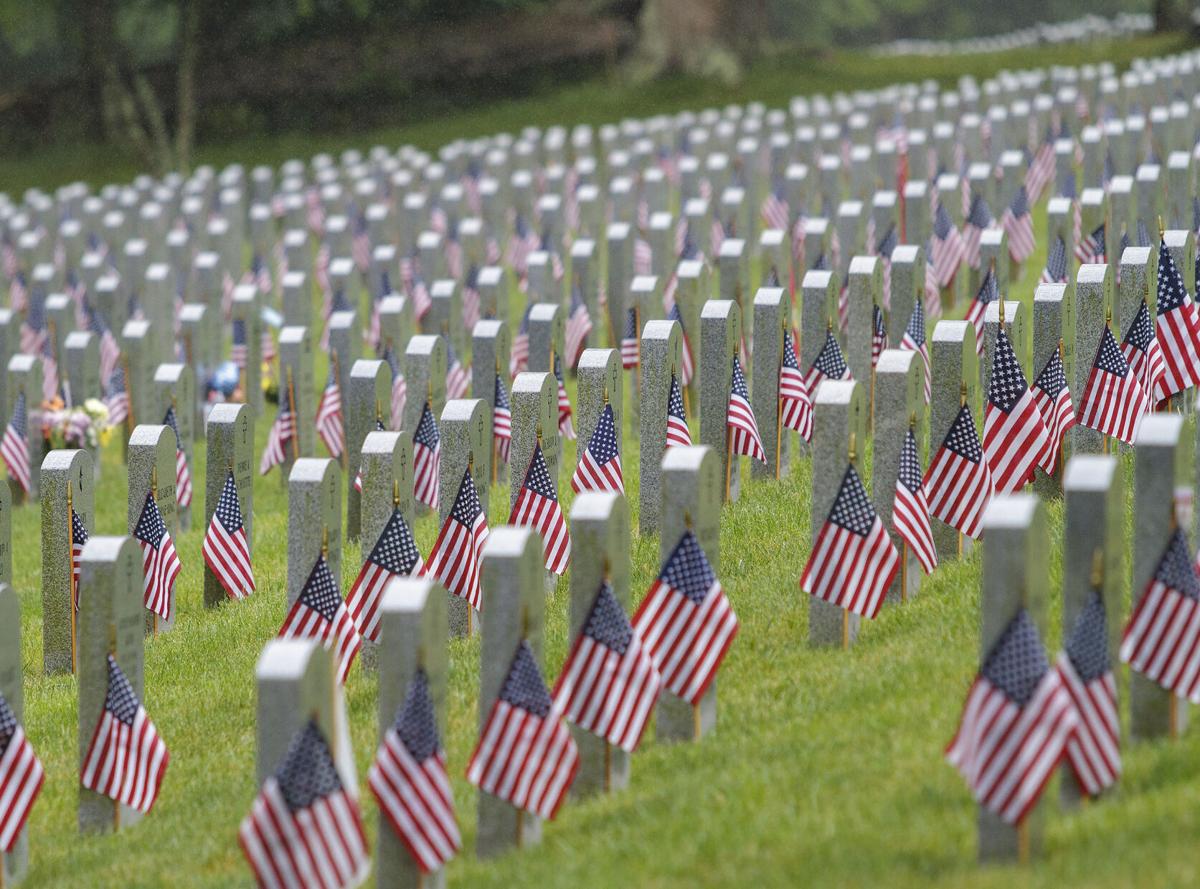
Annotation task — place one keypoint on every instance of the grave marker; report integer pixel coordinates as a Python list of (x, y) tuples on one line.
[(771, 311), (661, 356), (425, 374), (176, 388), (954, 364), (534, 398), (466, 428), (229, 433), (150, 463), (246, 309), (1093, 307), (295, 680), (720, 327), (899, 405), (546, 335), (15, 862), (314, 521), (67, 481), (367, 403)]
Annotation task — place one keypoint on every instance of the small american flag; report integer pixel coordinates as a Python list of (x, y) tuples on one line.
[(1162, 639), (281, 434), (1016, 724), (579, 325), (519, 359), (744, 439), (685, 621), (958, 480), (609, 683), (525, 756), (688, 362), (1091, 249), (910, 510), (238, 352), (978, 219), (933, 296), (989, 292), (1041, 167), (1018, 222), (537, 507), (110, 352), (304, 828), (796, 411), (502, 420), (629, 340), (599, 467), (454, 560), (1095, 751), (1142, 352), (21, 777), (126, 758), (884, 250), (775, 212), (394, 555), (117, 398), (226, 549), (914, 340), (565, 427), (1014, 435), (1055, 271), (399, 386), (320, 614), (470, 302), (160, 562), (329, 417), (829, 365), (183, 475), (427, 447), (879, 337), (1054, 401), (410, 782), (421, 299), (678, 434), (643, 257), (948, 250), (457, 378), (1113, 401), (1178, 328), (524, 241), (79, 536), (853, 560), (14, 446)]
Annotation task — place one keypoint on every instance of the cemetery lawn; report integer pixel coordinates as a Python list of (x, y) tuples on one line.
[(825, 768)]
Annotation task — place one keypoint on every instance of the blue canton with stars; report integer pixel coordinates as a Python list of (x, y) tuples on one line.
[(1175, 568), (1020, 203), (502, 395), (606, 623), (8, 724), (416, 725), (1007, 383), (789, 351), (427, 430), (989, 290), (120, 699), (1053, 379), (852, 510), (320, 591), (150, 527), (1171, 290), (1056, 263), (942, 224), (739, 380), (916, 324), (307, 773), (170, 420), (603, 445), (910, 464), (239, 332), (523, 687), (1017, 662), (687, 570), (675, 401), (395, 551), (229, 510), (18, 415), (393, 361), (1109, 357), (630, 325), (537, 479), (830, 360), (79, 532), (1087, 646), (962, 439), (467, 507), (981, 214), (1141, 332), (887, 243)]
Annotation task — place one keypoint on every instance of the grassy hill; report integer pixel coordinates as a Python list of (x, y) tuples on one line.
[(826, 766)]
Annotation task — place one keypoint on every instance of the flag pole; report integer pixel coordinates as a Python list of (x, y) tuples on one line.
[(495, 444), (73, 589), (292, 409), (471, 473), (779, 401), (154, 496), (846, 611), (728, 459), (962, 402), (112, 648), (1023, 842)]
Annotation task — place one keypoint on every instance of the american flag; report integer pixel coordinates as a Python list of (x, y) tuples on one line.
[(775, 212), (524, 241), (1162, 639), (454, 560), (329, 416), (1054, 401), (643, 257), (1055, 271), (421, 299), (1014, 435), (1142, 352), (502, 420), (853, 560), (126, 758), (599, 467), (910, 510), (33, 329), (525, 756), (565, 427), (978, 219), (1143, 234), (579, 325), (1041, 167), (1091, 249), (537, 507), (1178, 329), (678, 434), (1095, 751), (989, 292), (519, 359), (914, 340), (238, 351), (884, 249), (829, 365), (609, 683), (320, 614), (470, 300), (457, 378), (1016, 724), (796, 411), (394, 555), (947, 248), (281, 434), (685, 621), (427, 447), (410, 782), (1017, 220), (50, 379), (160, 562), (304, 828), (14, 446), (399, 386), (183, 475), (688, 362), (117, 398), (744, 439), (1113, 400), (226, 549), (933, 297), (110, 352), (879, 337), (958, 481), (629, 340), (79, 536), (21, 777)]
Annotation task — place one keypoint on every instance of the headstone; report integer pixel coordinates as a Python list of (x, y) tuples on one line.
[(412, 622), (367, 403), (296, 378), (661, 356), (1093, 305), (907, 289), (1049, 304), (15, 862), (1016, 574), (445, 313), (1017, 328), (176, 387), (691, 484), (600, 537), (771, 311), (865, 291), (692, 289), (229, 433), (110, 622), (534, 400), (546, 335), (511, 578), (720, 327), (387, 482), (818, 291), (139, 361), (395, 323), (9, 339), (1136, 281), (297, 299), (899, 405), (314, 521), (82, 365), (66, 484), (425, 373), (493, 293), (345, 341), (599, 375), (620, 268), (953, 364), (466, 428), (247, 302), (151, 468), (295, 680)]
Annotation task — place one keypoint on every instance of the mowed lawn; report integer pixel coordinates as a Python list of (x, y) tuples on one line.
[(825, 768)]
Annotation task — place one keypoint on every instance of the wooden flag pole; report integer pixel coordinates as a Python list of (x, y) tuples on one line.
[(779, 402), (1023, 842), (728, 459), (291, 388), (845, 611), (71, 586)]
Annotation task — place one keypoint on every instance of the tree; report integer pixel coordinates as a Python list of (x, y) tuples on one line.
[(707, 37)]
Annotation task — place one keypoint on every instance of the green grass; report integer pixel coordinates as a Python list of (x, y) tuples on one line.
[(825, 768)]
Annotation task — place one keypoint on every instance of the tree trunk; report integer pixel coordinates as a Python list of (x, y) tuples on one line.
[(690, 36), (185, 110)]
